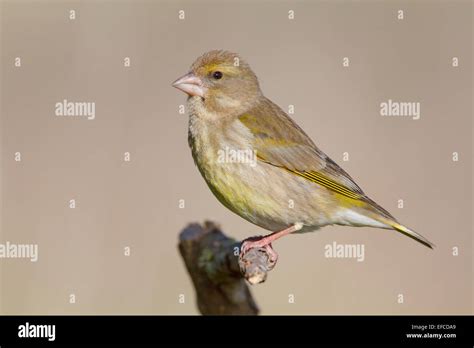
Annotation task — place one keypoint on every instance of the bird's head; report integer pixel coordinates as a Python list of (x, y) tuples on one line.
[(222, 82)]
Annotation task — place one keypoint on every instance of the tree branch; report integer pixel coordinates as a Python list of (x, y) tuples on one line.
[(218, 270)]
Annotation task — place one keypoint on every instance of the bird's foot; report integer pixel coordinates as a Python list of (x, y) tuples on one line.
[(259, 243), (273, 255), (265, 242), (257, 256)]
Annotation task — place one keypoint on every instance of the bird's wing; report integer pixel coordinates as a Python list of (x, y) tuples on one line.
[(279, 141)]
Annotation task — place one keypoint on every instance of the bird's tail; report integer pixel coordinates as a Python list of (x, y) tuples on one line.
[(412, 234), (379, 214)]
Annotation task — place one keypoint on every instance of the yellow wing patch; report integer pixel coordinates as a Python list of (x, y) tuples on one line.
[(324, 181)]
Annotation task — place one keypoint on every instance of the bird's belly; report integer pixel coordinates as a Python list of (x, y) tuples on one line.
[(266, 195)]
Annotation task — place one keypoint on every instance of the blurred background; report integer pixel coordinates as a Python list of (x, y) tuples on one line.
[(136, 204)]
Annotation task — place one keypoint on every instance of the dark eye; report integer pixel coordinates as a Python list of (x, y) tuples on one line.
[(217, 75)]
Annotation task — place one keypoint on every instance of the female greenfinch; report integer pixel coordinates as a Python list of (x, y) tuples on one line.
[(261, 165)]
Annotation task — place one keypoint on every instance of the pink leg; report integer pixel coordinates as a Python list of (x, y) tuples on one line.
[(265, 241)]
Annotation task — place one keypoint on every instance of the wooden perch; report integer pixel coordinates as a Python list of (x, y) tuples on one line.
[(218, 270)]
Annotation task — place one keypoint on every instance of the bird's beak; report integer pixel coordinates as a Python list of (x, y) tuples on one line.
[(190, 84)]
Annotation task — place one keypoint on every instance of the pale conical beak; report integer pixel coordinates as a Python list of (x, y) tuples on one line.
[(190, 84)]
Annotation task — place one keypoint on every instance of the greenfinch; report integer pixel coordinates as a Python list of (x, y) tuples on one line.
[(291, 185)]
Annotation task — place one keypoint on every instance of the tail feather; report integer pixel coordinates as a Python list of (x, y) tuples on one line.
[(412, 234), (381, 215)]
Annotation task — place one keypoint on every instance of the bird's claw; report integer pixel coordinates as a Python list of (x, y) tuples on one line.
[(258, 243), (249, 243)]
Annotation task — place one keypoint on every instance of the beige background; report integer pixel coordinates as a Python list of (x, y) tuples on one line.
[(135, 204)]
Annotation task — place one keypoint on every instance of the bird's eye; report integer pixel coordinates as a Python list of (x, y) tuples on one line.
[(217, 75)]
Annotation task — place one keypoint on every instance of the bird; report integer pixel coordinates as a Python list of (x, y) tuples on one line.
[(261, 165)]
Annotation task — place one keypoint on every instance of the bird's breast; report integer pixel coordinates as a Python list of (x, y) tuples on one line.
[(229, 166)]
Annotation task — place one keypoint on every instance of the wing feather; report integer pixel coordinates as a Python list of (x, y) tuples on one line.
[(279, 141)]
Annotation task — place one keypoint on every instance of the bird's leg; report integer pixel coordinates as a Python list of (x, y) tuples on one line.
[(265, 242)]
